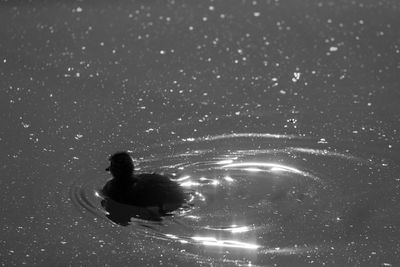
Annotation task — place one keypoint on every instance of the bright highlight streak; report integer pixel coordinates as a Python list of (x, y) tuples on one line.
[(212, 241), (171, 236), (203, 181), (234, 229), (226, 161), (276, 169), (241, 229), (189, 184), (253, 169), (183, 178), (262, 164), (229, 179), (203, 238), (231, 244)]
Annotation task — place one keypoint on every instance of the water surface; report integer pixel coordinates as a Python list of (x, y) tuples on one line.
[(279, 119)]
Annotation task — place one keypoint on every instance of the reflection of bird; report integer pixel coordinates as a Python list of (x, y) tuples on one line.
[(145, 190), (123, 213)]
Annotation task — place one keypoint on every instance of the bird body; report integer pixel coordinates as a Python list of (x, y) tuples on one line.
[(145, 190)]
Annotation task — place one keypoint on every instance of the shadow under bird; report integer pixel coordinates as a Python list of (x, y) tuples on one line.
[(143, 190)]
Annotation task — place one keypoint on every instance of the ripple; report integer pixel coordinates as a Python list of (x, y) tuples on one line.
[(84, 197), (252, 195), (245, 135)]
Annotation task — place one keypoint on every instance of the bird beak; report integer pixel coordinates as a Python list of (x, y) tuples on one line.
[(108, 169)]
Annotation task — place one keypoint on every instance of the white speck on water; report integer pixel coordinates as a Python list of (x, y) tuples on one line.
[(79, 9), (25, 125), (333, 49), (78, 136), (256, 14), (162, 52), (296, 76)]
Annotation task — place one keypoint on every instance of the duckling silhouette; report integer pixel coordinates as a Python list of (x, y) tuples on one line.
[(144, 190)]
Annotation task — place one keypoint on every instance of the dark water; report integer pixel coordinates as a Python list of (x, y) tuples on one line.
[(279, 118)]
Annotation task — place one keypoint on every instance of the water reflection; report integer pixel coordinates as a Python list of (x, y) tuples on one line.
[(185, 181), (253, 202), (242, 135), (212, 241), (252, 167), (233, 228), (267, 167), (216, 193), (122, 214)]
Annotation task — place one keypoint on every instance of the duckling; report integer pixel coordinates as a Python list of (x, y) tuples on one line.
[(144, 190)]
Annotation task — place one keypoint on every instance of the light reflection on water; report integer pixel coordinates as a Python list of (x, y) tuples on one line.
[(266, 167), (268, 199), (271, 166), (212, 241)]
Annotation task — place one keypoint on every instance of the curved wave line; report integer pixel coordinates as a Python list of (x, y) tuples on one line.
[(236, 135)]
